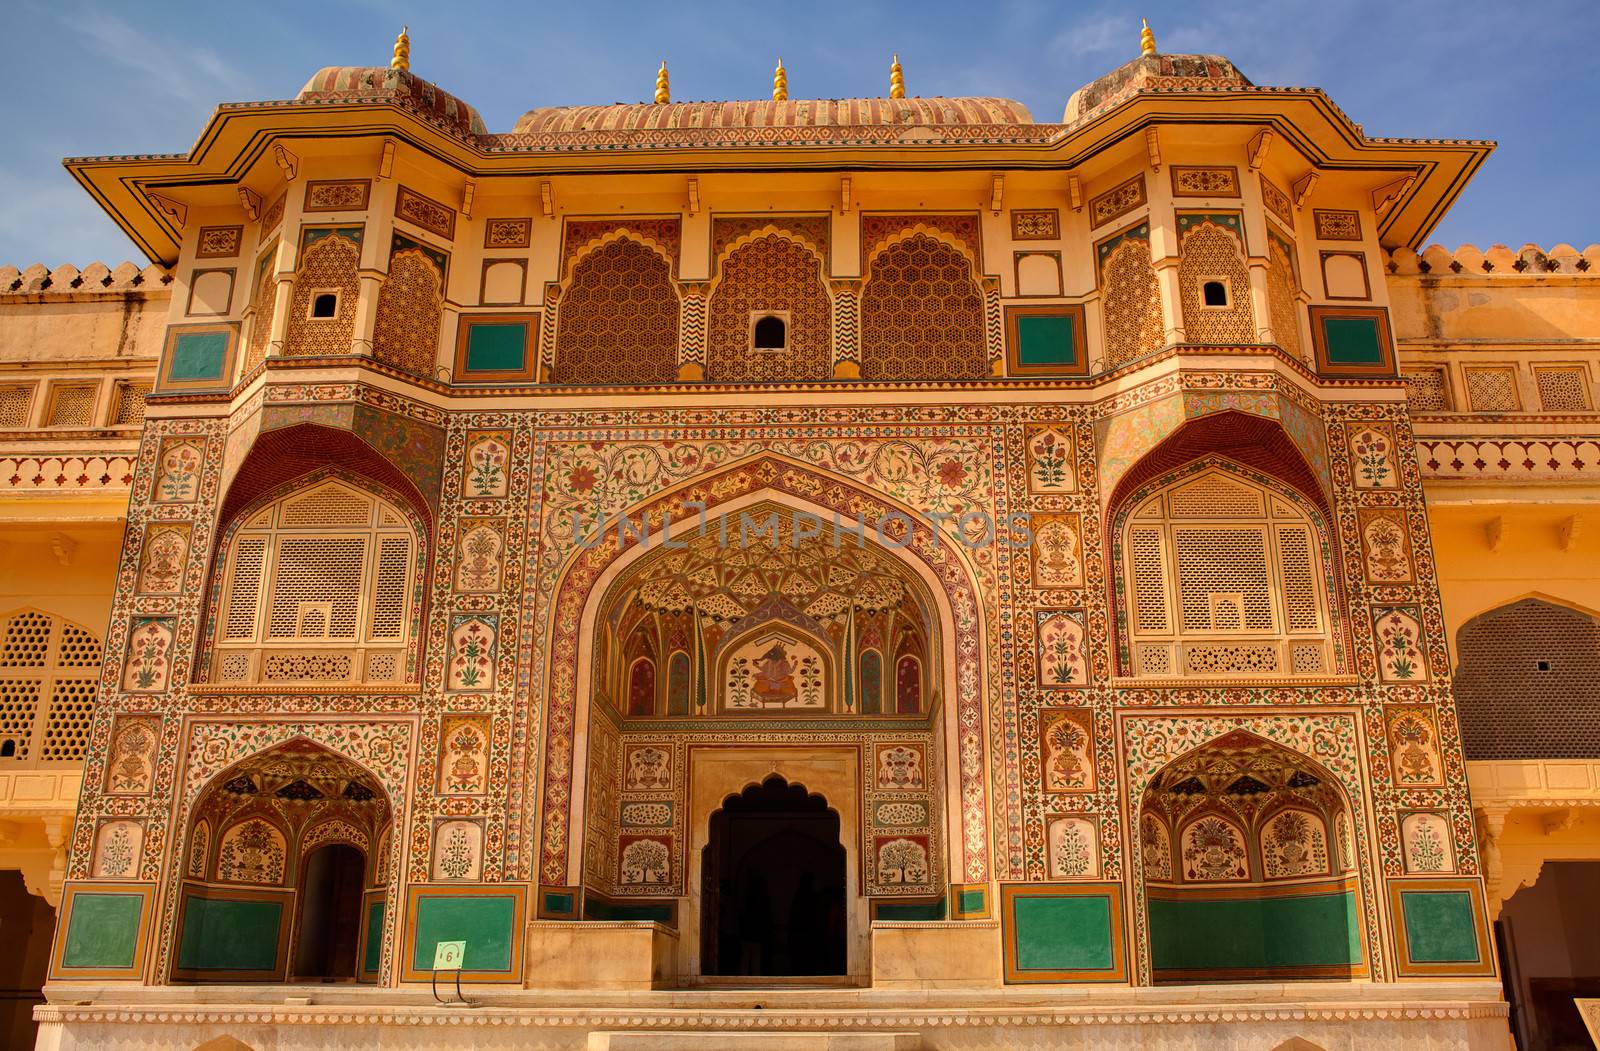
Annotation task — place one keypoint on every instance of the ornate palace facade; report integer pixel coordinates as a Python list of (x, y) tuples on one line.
[(996, 573)]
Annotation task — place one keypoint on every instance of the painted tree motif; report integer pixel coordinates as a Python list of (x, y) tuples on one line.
[(1056, 558), (252, 852), (178, 472), (646, 861), (1068, 751), (1400, 656), (478, 568), (902, 860), (1372, 450), (1155, 848), (1050, 468), (1294, 843), (149, 655)]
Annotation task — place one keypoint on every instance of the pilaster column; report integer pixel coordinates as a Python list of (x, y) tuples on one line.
[(366, 312), (1171, 299), (1260, 301), (283, 298), (57, 830), (1491, 823)]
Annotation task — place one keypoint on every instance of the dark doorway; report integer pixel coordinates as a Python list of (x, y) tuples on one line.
[(1550, 954), (774, 886), (26, 923), (330, 914)]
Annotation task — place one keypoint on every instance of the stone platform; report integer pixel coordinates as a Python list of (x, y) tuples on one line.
[(1248, 1017)]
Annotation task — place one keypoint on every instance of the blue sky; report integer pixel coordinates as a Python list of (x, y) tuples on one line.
[(97, 78)]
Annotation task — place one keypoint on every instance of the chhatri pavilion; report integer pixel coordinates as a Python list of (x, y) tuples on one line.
[(852, 573)]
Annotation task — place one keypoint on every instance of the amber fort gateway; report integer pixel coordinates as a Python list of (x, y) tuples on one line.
[(1167, 615)]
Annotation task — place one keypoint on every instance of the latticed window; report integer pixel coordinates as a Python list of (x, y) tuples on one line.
[(1223, 577), (49, 673), (318, 589)]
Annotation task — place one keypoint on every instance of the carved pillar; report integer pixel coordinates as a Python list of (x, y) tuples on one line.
[(846, 328), (366, 312), (1491, 823), (283, 297), (57, 830), (692, 331), (1261, 302)]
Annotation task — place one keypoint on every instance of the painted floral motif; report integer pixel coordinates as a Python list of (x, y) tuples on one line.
[(1372, 455), (900, 768), (487, 464), (1061, 641), (1057, 561), (1213, 852), (1050, 466), (1074, 848), (903, 859), (199, 850), (645, 861), (464, 756), (149, 661), (1068, 745), (1294, 844), (117, 846), (458, 851), (1388, 552), (478, 564), (131, 766), (1155, 849), (178, 471), (1400, 656), (1413, 746), (252, 852), (647, 769), (165, 552), (472, 654), (1425, 842)]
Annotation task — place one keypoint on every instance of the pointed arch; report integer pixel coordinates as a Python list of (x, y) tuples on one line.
[(618, 313), (922, 309), (588, 573)]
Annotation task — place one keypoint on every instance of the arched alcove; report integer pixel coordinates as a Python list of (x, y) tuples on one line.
[(1248, 867), (283, 879)]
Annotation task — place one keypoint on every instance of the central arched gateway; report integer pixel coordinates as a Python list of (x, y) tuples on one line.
[(766, 646)]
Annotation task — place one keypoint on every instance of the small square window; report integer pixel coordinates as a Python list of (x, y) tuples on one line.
[(769, 331), (1215, 293), (1544, 665), (324, 305)]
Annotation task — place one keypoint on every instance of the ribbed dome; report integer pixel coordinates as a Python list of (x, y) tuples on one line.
[(363, 83), (766, 113)]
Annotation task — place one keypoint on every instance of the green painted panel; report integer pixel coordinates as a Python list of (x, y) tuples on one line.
[(1440, 926), (223, 935), (1314, 930), (373, 958), (558, 904), (1352, 340), (971, 901), (599, 909), (908, 911), (1067, 933), (103, 930), (484, 921), (1044, 340), (198, 356), (497, 346)]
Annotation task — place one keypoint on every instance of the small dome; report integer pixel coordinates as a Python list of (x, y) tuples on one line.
[(1152, 73), (372, 83)]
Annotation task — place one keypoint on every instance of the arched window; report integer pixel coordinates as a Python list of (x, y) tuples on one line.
[(1221, 577), (318, 588), (49, 672), (922, 314)]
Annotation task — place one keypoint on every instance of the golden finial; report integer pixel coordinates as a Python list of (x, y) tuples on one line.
[(1147, 39), (780, 83), (897, 79), (402, 51), (663, 90)]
